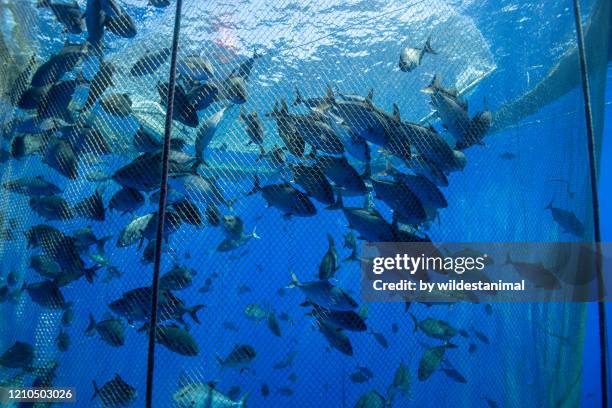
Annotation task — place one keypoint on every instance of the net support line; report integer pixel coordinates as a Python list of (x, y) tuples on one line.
[(601, 306), (161, 210)]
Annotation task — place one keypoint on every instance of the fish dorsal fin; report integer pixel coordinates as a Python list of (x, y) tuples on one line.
[(330, 92), (370, 96), (284, 107), (213, 384), (396, 112), (434, 85)]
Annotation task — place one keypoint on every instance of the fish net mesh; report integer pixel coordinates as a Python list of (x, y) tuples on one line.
[(252, 333)]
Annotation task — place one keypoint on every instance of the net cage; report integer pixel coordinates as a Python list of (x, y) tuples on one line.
[(291, 120)]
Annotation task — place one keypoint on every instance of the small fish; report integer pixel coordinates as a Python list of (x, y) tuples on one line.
[(410, 58), (329, 264), (285, 391), (68, 14), (177, 340), (380, 338), (51, 208), (324, 294), (127, 200), (292, 377), (205, 395), (47, 294), (481, 336), (117, 104), (536, 273), (159, 3), (91, 207), (177, 278), (434, 328), (240, 357), (454, 375), (491, 403), (567, 220), (19, 355), (508, 156), (402, 380), (358, 377), (287, 362), (111, 330), (32, 186), (150, 62), (255, 312), (371, 399), (431, 359), (115, 393), (67, 316), (336, 337), (265, 390), (273, 325), (254, 126), (230, 326)]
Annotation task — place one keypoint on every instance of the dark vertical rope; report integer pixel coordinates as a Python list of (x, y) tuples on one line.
[(161, 209), (601, 305)]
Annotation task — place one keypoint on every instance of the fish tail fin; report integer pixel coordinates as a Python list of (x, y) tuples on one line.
[(256, 186), (294, 281), (550, 205), (338, 205), (242, 401), (21, 289), (262, 154), (298, 97), (254, 233), (450, 345), (415, 321), (508, 259), (330, 93), (90, 273), (330, 241), (427, 47), (434, 85), (370, 96), (193, 312), (89, 331), (351, 258), (101, 242), (96, 391)]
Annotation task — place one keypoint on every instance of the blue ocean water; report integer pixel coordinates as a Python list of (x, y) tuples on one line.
[(530, 355)]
